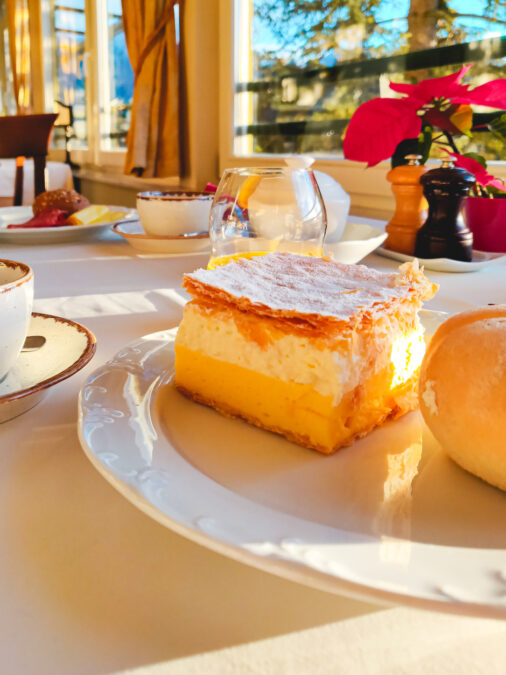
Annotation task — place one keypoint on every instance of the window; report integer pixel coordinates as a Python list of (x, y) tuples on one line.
[(69, 55), (7, 100), (302, 67), (86, 38), (117, 89)]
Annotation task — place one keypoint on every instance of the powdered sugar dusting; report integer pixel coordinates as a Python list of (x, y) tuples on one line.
[(306, 285)]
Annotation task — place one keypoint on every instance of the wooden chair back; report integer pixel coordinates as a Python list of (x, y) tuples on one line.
[(27, 136)]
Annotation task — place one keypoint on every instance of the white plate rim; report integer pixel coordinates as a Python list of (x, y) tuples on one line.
[(49, 231), (136, 241), (287, 557), (344, 250), (445, 264), (191, 236)]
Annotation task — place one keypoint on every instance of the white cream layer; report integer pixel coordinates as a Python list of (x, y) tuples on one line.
[(292, 358)]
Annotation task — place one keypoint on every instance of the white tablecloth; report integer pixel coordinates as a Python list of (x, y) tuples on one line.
[(59, 176), (91, 585)]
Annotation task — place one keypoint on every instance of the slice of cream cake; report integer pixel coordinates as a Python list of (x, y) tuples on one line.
[(316, 350)]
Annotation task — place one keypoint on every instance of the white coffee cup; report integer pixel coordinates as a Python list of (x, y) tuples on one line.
[(171, 214), (16, 299)]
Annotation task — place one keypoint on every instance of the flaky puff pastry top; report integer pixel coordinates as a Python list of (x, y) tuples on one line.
[(309, 290)]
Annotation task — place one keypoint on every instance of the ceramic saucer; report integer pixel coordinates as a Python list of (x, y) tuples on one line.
[(68, 348), (183, 244), (480, 259), (356, 242)]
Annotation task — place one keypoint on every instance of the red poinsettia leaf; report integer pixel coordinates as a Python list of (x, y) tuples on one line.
[(377, 127), (438, 119), (402, 88), (491, 94), (473, 166), (436, 87), (457, 119)]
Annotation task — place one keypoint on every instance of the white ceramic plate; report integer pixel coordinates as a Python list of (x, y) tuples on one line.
[(48, 235), (187, 244), (356, 243), (480, 259), (68, 348), (390, 518)]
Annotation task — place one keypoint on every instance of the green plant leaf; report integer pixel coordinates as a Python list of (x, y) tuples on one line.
[(495, 192), (413, 146), (478, 158), (498, 127)]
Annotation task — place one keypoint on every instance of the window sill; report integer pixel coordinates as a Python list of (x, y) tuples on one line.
[(111, 176), (370, 192)]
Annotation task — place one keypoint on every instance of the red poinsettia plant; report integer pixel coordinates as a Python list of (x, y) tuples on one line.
[(428, 116)]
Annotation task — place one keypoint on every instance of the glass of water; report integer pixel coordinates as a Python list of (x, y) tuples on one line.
[(262, 210)]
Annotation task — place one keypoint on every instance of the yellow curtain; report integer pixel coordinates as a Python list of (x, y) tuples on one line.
[(19, 49), (153, 143)]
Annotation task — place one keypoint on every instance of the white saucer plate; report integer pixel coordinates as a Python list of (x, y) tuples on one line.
[(179, 245), (68, 348), (356, 243), (480, 260), (11, 215), (387, 519)]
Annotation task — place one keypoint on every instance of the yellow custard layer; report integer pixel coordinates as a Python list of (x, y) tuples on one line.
[(290, 408)]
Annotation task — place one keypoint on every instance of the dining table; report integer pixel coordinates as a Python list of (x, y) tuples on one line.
[(90, 584)]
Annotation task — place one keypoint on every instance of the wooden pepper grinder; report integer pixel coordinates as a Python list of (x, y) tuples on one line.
[(410, 205), (444, 234)]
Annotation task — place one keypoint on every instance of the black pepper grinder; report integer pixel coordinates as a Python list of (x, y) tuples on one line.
[(444, 233)]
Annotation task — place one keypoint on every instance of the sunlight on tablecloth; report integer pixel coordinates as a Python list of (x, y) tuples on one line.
[(112, 304), (400, 641)]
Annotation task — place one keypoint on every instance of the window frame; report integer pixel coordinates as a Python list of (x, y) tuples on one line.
[(369, 190), (96, 59)]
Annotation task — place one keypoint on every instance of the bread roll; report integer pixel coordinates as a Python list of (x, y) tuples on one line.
[(462, 391), (66, 200)]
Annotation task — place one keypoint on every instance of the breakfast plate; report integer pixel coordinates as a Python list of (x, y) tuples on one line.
[(480, 260), (67, 348), (389, 518), (178, 245), (11, 215)]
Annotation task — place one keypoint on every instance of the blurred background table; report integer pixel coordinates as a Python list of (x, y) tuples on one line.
[(89, 584), (59, 175)]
